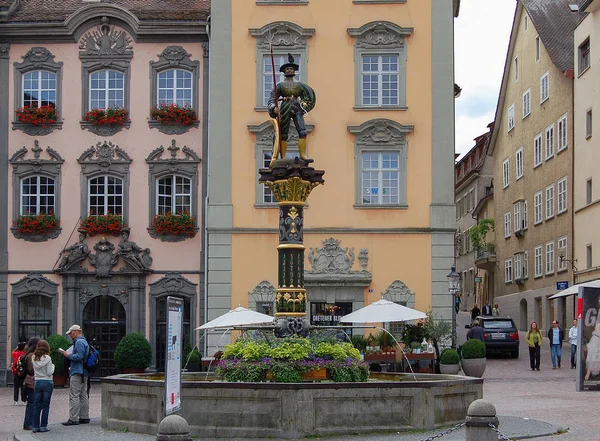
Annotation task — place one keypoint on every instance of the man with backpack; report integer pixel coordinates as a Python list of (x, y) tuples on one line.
[(79, 406), (17, 380)]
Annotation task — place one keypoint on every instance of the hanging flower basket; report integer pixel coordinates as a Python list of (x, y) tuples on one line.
[(107, 224), (110, 116), (180, 225), (174, 114), (43, 116)]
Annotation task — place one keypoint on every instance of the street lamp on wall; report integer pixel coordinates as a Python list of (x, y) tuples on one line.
[(453, 288)]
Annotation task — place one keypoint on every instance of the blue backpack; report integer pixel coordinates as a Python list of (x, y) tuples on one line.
[(93, 360)]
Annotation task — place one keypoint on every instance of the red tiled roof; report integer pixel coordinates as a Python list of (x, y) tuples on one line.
[(59, 10)]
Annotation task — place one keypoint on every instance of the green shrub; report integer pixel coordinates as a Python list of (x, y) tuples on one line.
[(449, 356), (195, 356), (473, 349), (133, 352), (359, 342), (334, 352), (56, 341), (185, 353), (255, 351), (291, 348)]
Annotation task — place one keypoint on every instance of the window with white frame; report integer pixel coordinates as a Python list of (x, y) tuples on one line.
[(537, 258), (537, 48), (537, 208), (550, 201), (584, 56), (562, 253), (518, 266), (544, 87), (105, 195), (525, 270), (519, 163), (516, 69), (588, 123), (537, 150), (508, 270), (505, 173), (550, 258), (107, 89), (267, 72), (37, 195), (549, 141), (380, 173), (562, 195), (507, 225), (39, 89), (380, 77), (175, 86), (173, 195), (511, 117), (517, 216), (562, 133), (527, 103), (525, 214)]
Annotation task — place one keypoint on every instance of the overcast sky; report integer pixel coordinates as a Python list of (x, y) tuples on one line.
[(481, 34)]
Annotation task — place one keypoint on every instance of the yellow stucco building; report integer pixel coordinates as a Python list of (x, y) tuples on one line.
[(382, 129)]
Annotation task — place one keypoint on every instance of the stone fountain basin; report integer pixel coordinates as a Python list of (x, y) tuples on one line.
[(387, 402)]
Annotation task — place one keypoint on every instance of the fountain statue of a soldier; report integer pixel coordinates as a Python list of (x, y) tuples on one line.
[(290, 100)]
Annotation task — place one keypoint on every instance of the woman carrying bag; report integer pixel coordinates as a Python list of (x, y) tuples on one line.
[(534, 340), (29, 381)]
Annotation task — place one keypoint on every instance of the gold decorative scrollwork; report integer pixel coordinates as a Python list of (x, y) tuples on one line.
[(291, 190)]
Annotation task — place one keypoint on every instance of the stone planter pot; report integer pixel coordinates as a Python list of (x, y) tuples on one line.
[(449, 369), (473, 367)]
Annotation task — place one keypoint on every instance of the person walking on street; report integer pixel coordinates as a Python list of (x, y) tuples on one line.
[(43, 368), (534, 340), (456, 303), (487, 309), (79, 406), (496, 310), (476, 332), (475, 312), (573, 341), (18, 382), (29, 382), (556, 336)]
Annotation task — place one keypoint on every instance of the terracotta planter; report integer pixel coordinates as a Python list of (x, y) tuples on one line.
[(473, 367), (449, 369), (316, 375)]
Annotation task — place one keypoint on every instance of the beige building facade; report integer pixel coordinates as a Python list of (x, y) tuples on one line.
[(532, 146), (587, 175)]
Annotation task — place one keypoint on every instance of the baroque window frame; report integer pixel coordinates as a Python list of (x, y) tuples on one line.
[(94, 58), (37, 59), (381, 38), (284, 37), (24, 168), (381, 134), (159, 167), (174, 58)]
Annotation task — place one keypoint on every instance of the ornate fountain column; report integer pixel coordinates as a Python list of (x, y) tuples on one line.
[(291, 181)]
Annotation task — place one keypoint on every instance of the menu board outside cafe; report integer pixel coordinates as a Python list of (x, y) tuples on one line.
[(173, 356)]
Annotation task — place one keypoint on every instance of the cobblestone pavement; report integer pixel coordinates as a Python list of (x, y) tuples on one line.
[(516, 391)]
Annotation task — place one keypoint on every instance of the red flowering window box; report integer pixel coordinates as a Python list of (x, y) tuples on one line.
[(110, 116), (43, 116), (180, 225), (174, 114), (106, 224), (36, 223)]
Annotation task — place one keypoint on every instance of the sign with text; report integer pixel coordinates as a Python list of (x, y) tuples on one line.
[(588, 340), (562, 285), (173, 356)]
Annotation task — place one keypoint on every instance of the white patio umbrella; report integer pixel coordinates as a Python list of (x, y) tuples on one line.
[(383, 311), (574, 289), (239, 316)]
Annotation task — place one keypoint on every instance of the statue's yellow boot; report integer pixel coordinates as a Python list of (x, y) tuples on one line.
[(302, 148)]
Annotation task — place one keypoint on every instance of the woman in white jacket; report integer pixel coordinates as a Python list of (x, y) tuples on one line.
[(43, 369)]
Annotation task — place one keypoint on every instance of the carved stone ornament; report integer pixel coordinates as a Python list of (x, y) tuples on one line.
[(37, 129), (34, 283), (106, 155), (105, 41), (172, 128), (136, 258), (331, 258), (104, 259), (73, 256), (363, 258), (4, 51), (380, 35), (87, 293), (36, 164), (263, 292), (174, 55), (173, 163), (104, 129), (282, 35), (381, 131), (398, 292)]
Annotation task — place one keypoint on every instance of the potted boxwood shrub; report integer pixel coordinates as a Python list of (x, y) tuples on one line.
[(473, 358), (449, 362), (192, 363), (133, 354), (61, 370)]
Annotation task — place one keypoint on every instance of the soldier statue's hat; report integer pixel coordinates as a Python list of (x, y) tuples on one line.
[(290, 63)]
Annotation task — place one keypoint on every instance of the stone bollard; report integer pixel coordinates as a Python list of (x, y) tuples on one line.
[(479, 415), (173, 428)]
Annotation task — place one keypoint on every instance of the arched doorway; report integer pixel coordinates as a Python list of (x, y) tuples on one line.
[(104, 325), (523, 325)]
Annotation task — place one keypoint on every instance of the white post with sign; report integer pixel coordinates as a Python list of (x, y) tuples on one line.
[(173, 356)]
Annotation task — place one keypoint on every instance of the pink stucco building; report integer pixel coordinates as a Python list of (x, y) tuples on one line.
[(62, 162)]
